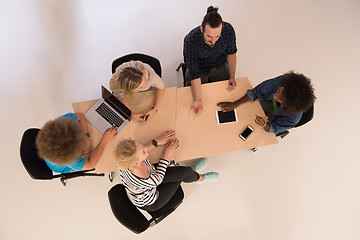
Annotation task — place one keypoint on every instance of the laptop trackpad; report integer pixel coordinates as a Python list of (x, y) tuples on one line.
[(102, 125)]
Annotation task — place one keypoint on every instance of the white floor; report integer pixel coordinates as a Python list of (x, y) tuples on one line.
[(57, 52)]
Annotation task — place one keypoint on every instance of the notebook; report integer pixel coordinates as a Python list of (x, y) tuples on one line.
[(108, 112)]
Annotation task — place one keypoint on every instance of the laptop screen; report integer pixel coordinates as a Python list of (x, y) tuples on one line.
[(115, 103)]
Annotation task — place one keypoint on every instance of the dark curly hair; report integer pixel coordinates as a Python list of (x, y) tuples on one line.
[(297, 94), (60, 141), (212, 18)]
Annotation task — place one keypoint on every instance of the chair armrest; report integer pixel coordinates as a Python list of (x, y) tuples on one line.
[(283, 134)]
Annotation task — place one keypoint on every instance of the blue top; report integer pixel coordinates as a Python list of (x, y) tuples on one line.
[(79, 162), (200, 57), (279, 122)]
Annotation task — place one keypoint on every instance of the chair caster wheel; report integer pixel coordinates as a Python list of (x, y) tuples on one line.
[(111, 176)]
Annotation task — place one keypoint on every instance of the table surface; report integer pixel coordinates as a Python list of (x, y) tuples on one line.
[(200, 135)]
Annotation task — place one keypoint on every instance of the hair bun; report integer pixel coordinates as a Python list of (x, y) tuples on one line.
[(212, 9)]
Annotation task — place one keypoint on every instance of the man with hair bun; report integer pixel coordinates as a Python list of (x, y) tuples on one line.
[(209, 54)]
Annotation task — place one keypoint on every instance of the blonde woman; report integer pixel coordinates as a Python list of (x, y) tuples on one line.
[(148, 186), (132, 77), (64, 144)]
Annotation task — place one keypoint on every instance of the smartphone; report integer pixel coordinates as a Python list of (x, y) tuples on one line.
[(248, 130)]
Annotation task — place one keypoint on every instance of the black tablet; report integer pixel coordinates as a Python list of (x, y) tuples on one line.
[(226, 117)]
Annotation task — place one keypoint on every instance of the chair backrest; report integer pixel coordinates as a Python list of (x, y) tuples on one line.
[(34, 165), (130, 216), (306, 117), (125, 211), (153, 62), (183, 70)]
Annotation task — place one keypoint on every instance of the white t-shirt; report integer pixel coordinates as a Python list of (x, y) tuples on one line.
[(153, 81)]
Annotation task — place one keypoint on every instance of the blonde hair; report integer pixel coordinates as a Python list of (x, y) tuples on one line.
[(60, 141), (125, 153), (127, 79)]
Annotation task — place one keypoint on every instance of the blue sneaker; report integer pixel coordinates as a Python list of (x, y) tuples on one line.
[(200, 164), (209, 177)]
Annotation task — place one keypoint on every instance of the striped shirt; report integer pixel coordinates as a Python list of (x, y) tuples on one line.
[(142, 192)]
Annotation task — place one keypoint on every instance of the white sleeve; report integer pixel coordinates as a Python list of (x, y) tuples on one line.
[(154, 79)]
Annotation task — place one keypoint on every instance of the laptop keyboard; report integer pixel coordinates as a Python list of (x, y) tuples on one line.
[(109, 115)]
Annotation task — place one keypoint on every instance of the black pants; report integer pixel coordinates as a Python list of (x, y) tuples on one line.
[(214, 75), (174, 176)]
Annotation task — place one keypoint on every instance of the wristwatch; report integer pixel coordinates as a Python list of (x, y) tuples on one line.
[(154, 142)]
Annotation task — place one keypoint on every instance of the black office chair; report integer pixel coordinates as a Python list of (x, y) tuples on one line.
[(183, 69), (306, 117), (153, 62), (131, 217), (36, 167)]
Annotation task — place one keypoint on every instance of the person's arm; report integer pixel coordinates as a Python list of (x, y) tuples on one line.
[(82, 122), (84, 127), (191, 55), (197, 105), (161, 168), (109, 135), (170, 149), (228, 106), (265, 89), (162, 139), (136, 116), (231, 52), (158, 98), (231, 59)]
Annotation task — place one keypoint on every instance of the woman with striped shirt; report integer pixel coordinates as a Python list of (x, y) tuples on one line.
[(148, 186)]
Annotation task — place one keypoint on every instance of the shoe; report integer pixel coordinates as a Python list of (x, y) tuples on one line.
[(209, 177), (200, 164)]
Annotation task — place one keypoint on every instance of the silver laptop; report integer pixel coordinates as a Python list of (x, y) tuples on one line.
[(108, 112)]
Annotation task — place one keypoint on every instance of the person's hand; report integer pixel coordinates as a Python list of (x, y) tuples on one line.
[(232, 83), (261, 121), (197, 106), (140, 117), (110, 134), (165, 137), (149, 114), (170, 148), (87, 150), (226, 106)]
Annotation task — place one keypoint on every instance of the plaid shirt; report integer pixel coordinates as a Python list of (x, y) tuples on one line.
[(200, 57)]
